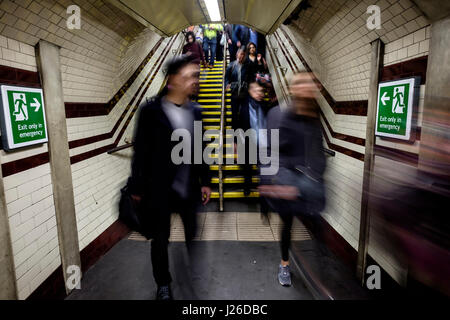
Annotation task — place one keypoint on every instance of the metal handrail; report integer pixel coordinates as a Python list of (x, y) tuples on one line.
[(329, 152), (277, 65), (125, 146), (222, 127)]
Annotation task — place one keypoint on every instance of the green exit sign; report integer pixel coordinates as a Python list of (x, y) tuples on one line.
[(22, 117), (396, 101)]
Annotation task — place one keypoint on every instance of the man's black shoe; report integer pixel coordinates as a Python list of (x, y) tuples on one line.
[(163, 293)]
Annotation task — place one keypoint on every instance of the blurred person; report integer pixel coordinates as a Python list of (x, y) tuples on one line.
[(256, 64), (156, 183), (252, 115), (253, 37), (242, 36), (219, 45), (231, 42), (236, 82), (297, 189), (199, 35), (194, 49), (210, 42)]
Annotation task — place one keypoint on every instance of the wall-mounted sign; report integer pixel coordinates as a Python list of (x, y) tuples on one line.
[(395, 104), (22, 117)]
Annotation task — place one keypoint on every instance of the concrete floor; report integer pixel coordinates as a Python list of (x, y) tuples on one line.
[(232, 270)]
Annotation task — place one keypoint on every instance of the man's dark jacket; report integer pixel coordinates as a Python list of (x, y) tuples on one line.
[(244, 113), (153, 171)]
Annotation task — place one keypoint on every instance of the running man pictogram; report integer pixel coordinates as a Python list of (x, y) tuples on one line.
[(20, 107)]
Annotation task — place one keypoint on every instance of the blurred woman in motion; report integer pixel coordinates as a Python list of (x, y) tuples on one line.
[(297, 189)]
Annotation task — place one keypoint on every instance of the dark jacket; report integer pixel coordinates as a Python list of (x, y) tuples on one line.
[(196, 51), (152, 170), (253, 67), (229, 32), (244, 113), (232, 75), (242, 34), (301, 143)]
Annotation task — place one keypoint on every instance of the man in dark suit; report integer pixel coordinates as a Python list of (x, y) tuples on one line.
[(159, 184)]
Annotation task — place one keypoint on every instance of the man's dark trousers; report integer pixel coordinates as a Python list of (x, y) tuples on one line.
[(160, 242)]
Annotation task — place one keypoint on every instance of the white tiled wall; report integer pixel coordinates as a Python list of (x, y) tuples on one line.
[(337, 31), (31, 211), (90, 57)]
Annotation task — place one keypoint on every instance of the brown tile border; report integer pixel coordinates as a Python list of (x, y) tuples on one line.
[(341, 136), (13, 167), (85, 109), (53, 287), (397, 155), (409, 68), (346, 151), (20, 77)]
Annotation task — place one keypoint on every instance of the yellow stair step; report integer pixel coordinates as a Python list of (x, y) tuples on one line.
[(216, 145), (214, 120), (228, 167), (234, 180), (214, 113), (213, 106), (215, 127), (226, 156), (204, 85), (234, 194)]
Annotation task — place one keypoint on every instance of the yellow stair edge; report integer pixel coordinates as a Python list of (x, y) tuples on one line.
[(235, 194), (234, 180)]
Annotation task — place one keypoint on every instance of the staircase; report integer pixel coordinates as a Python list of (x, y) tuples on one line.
[(210, 100)]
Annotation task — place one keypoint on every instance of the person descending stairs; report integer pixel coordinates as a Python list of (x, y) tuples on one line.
[(210, 100)]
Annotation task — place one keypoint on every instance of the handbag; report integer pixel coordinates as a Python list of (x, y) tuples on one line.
[(223, 39), (129, 210)]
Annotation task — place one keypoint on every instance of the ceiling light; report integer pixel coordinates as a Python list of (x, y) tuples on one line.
[(213, 10)]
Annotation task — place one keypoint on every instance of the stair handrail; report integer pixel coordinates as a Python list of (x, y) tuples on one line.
[(222, 127)]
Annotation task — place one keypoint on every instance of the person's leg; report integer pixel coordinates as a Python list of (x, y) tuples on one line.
[(206, 49), (284, 275), (232, 51), (286, 237), (159, 250), (235, 104), (213, 45), (248, 166)]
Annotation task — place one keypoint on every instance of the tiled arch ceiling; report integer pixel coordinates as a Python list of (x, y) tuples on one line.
[(171, 16)]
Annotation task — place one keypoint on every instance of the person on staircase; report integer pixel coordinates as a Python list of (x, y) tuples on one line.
[(158, 184), (256, 64), (253, 115), (193, 48), (210, 42), (236, 82)]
